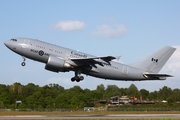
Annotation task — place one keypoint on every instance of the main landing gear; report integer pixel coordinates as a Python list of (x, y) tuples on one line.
[(23, 63), (77, 77)]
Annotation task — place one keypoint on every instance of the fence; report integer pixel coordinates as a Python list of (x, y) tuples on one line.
[(143, 109)]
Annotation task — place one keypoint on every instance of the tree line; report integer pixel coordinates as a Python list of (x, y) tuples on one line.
[(55, 96)]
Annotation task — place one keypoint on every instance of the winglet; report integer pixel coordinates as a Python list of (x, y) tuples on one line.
[(118, 58)]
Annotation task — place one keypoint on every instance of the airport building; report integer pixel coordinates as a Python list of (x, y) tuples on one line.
[(116, 100)]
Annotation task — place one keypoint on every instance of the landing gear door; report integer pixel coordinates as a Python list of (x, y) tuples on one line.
[(25, 44)]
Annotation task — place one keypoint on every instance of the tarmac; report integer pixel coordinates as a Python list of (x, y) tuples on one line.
[(90, 117)]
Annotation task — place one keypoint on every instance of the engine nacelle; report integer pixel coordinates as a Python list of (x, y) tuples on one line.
[(56, 64)]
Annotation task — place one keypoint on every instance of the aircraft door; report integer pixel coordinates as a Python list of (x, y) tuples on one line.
[(125, 70), (25, 44), (68, 55)]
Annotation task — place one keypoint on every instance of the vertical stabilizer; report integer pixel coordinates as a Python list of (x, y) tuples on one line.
[(154, 62)]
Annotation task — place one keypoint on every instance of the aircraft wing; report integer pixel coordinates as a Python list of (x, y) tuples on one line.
[(94, 60)]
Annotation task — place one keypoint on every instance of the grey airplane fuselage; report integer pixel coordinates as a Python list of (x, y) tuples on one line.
[(40, 51), (60, 59)]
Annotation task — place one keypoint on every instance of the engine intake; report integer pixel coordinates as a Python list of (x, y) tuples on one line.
[(56, 64)]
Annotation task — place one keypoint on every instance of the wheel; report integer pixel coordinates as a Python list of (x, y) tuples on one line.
[(72, 79), (78, 80), (23, 63), (81, 78)]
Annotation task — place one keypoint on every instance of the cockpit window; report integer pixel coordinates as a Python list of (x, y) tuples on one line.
[(14, 39)]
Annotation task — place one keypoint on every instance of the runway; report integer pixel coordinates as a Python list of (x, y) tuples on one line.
[(110, 116)]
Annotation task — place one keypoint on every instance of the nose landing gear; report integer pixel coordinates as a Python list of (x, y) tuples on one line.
[(23, 63)]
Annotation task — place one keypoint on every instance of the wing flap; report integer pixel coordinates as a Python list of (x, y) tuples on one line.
[(94, 60), (106, 58)]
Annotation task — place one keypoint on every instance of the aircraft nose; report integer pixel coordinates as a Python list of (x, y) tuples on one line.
[(6, 43)]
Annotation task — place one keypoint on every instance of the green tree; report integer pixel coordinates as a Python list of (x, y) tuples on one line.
[(4, 99), (144, 93), (49, 101), (55, 96), (176, 94), (100, 88), (153, 96), (29, 89), (164, 93), (3, 88), (133, 91), (30, 101), (15, 92), (112, 90)]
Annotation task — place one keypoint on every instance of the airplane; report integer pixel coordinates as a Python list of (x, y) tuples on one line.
[(61, 59)]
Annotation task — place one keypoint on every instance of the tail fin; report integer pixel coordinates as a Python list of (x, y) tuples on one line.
[(154, 62)]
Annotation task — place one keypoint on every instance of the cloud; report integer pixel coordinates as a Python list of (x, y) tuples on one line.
[(69, 25), (110, 31)]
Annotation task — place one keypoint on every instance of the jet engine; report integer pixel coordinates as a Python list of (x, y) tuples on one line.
[(56, 64)]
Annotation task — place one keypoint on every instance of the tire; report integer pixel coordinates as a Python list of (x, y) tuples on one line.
[(78, 80), (23, 63), (72, 79), (81, 78)]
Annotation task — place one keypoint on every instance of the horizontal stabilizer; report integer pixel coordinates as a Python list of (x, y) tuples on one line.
[(156, 76)]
